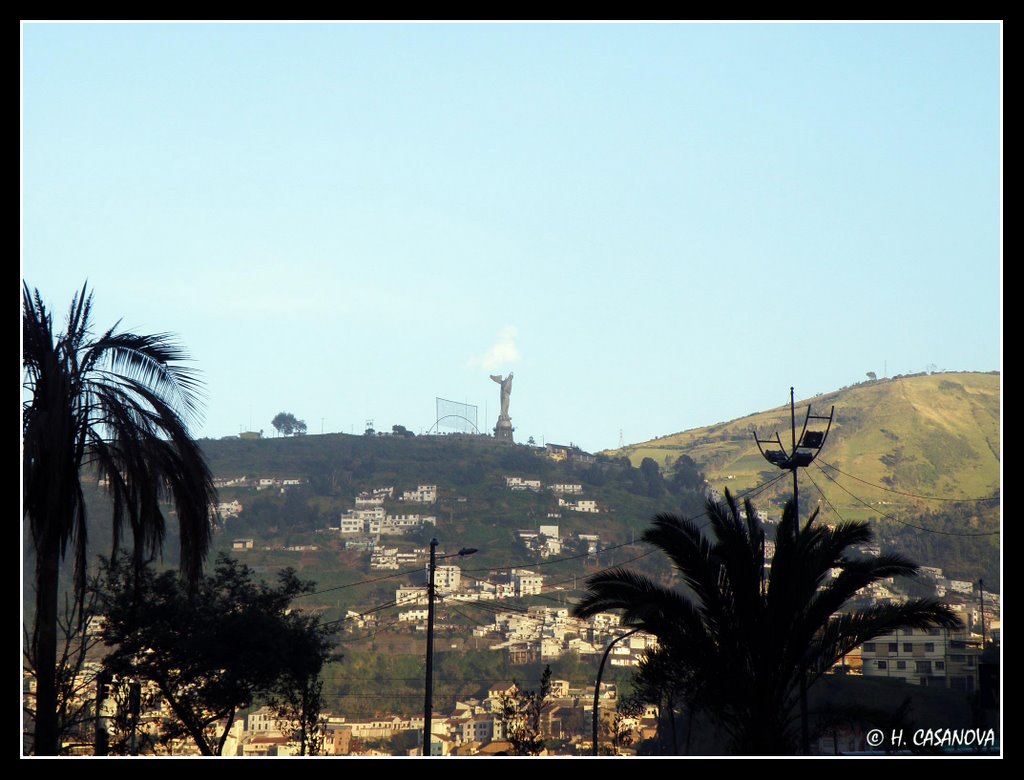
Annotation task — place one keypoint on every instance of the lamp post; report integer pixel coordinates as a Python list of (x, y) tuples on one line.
[(428, 696), (802, 453), (600, 671)]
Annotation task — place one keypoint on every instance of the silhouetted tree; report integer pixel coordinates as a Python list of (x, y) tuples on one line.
[(120, 403), (213, 649), (749, 633), (286, 423), (520, 711)]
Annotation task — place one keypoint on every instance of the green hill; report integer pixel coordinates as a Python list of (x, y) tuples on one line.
[(474, 507), (922, 435)]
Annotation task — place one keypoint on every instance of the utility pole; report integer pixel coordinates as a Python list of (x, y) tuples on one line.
[(597, 684), (428, 696), (981, 587)]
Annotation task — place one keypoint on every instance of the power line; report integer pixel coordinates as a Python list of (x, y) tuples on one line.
[(822, 492), (361, 582), (534, 565), (896, 519), (904, 493)]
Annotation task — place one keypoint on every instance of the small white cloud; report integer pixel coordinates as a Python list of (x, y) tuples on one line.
[(502, 352)]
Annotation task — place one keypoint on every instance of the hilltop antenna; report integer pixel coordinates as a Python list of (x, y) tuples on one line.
[(620, 438)]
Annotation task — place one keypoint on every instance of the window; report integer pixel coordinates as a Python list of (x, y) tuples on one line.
[(881, 664), (940, 665), (901, 664), (924, 667), (908, 647), (933, 632), (894, 647), (929, 647), (956, 658), (869, 647)]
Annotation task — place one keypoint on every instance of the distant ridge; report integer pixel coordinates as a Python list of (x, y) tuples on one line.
[(934, 435)]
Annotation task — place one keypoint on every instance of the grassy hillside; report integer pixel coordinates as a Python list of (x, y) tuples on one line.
[(928, 435)]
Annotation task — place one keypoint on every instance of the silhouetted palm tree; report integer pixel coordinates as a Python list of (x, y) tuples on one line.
[(743, 635), (117, 405)]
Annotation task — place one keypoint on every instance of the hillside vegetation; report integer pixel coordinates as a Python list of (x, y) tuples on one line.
[(927, 435)]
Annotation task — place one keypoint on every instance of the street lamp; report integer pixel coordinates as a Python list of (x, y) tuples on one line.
[(803, 451), (429, 694), (600, 671)]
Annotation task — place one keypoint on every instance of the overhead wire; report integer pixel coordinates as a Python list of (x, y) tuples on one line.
[(362, 582), (822, 492), (905, 493), (903, 522)]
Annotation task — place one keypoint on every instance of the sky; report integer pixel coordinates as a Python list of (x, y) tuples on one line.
[(656, 227)]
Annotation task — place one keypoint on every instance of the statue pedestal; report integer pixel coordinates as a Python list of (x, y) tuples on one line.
[(503, 430)]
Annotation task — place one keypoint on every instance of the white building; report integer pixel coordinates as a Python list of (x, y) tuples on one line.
[(447, 579), (400, 524), (567, 488), (935, 657), (228, 509), (518, 483), (526, 582), (411, 595), (352, 525), (412, 616), (965, 587), (423, 494), (370, 499)]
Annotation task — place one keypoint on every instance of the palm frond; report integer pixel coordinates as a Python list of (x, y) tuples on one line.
[(738, 644)]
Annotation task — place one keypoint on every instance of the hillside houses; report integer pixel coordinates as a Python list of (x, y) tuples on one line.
[(450, 586), (546, 633), (518, 483), (545, 540), (560, 489), (473, 726), (369, 516), (423, 494), (260, 483), (376, 522), (228, 509)]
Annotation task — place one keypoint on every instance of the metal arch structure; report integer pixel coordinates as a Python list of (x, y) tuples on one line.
[(458, 416), (805, 448)]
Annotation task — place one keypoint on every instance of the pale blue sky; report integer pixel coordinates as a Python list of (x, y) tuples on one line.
[(642, 221)]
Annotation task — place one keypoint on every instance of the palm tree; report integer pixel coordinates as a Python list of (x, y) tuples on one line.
[(743, 636), (117, 405)]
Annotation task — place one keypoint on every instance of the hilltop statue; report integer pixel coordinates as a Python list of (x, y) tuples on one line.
[(503, 430), (506, 391)]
